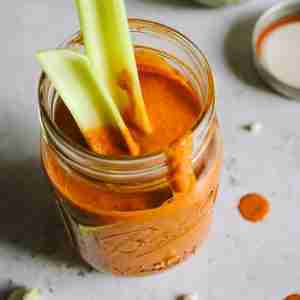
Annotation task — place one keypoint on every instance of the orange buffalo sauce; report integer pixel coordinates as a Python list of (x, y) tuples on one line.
[(172, 105), (139, 232), (254, 207), (173, 109)]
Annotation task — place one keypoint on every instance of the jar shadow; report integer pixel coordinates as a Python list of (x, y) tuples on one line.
[(30, 221), (238, 51), (6, 288)]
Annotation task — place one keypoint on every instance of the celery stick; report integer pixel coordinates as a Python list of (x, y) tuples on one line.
[(109, 48), (24, 294), (91, 107), (33, 294)]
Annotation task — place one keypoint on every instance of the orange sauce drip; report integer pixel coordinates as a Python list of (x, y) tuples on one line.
[(181, 173), (282, 22), (254, 207)]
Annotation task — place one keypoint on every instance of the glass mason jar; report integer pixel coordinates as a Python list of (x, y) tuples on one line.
[(136, 241)]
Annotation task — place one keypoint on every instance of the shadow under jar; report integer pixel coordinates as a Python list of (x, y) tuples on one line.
[(171, 226)]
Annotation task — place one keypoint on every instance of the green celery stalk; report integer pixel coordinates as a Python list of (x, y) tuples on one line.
[(24, 294), (33, 294), (92, 107), (105, 30)]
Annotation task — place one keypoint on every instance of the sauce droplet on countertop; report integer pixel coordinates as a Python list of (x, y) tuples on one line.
[(254, 207)]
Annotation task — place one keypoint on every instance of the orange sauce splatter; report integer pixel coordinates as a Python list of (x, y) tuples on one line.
[(254, 207)]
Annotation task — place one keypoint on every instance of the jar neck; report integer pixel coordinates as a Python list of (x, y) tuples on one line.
[(132, 169)]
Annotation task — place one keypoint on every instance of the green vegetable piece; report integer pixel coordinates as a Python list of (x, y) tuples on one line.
[(91, 106), (107, 40), (25, 294), (33, 294)]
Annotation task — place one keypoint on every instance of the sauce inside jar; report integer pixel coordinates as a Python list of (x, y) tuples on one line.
[(150, 227), (172, 105)]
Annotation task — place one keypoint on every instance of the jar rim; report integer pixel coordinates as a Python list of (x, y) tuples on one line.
[(78, 154)]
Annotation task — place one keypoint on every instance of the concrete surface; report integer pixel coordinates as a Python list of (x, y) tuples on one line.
[(240, 260)]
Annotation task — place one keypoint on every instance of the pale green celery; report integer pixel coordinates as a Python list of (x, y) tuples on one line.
[(107, 40), (33, 294), (91, 107), (24, 294)]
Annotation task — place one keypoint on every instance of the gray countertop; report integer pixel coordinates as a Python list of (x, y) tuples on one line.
[(240, 260)]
